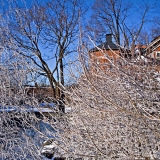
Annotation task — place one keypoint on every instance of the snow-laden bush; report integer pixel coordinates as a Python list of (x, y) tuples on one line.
[(21, 131), (115, 111)]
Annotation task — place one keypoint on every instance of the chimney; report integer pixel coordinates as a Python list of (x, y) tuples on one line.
[(108, 37)]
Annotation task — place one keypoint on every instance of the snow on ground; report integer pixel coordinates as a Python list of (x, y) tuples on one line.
[(43, 107)]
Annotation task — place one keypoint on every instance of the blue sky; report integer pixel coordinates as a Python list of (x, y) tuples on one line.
[(133, 19), (88, 3)]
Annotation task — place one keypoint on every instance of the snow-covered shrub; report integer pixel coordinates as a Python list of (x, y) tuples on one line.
[(115, 111), (23, 120)]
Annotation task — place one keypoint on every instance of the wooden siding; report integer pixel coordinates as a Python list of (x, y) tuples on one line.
[(153, 54), (101, 58)]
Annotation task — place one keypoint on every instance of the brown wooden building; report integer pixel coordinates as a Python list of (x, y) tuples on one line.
[(153, 49), (103, 53)]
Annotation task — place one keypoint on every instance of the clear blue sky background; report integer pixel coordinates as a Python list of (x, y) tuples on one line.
[(133, 17), (89, 3)]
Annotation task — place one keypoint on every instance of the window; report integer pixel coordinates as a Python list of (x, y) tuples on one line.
[(158, 54)]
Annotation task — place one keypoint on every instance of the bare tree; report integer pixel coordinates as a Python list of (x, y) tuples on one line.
[(47, 32), (122, 19), (110, 15), (24, 123)]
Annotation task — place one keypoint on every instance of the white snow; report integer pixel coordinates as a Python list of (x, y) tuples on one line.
[(43, 107)]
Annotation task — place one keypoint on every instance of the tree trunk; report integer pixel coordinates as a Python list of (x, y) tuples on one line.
[(62, 95)]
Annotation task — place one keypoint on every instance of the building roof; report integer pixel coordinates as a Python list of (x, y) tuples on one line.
[(139, 46), (106, 45), (154, 43)]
